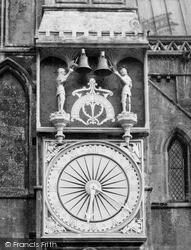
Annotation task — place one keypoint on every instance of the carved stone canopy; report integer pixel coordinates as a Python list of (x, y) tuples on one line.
[(103, 27)]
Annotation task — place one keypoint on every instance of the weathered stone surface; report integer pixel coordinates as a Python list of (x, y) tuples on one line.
[(178, 88), (112, 27), (13, 133), (17, 218), (20, 30), (165, 118), (167, 87), (171, 229)]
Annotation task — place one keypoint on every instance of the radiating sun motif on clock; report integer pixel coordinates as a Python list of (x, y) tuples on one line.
[(93, 188)]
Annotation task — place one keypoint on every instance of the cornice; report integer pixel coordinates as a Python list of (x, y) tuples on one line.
[(173, 46)]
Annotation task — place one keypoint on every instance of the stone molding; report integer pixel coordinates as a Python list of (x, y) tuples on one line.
[(169, 46)]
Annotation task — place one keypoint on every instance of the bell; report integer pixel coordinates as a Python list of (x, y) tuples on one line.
[(83, 66), (103, 68)]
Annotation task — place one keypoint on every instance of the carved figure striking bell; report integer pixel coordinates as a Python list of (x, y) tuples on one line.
[(103, 68), (83, 66)]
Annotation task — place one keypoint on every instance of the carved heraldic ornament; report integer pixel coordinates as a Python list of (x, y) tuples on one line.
[(92, 106)]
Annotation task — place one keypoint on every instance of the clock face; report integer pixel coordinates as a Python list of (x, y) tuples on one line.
[(93, 187)]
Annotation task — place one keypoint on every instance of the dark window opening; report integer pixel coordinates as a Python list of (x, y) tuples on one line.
[(178, 169)]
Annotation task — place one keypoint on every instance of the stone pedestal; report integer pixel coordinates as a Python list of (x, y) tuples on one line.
[(60, 120), (127, 120)]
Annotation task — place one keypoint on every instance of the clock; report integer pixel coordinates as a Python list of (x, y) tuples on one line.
[(93, 187)]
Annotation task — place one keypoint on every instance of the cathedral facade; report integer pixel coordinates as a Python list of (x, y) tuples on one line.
[(95, 115)]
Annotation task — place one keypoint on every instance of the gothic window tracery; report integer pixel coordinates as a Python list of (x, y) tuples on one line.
[(178, 169)]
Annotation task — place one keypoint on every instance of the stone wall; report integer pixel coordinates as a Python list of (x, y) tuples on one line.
[(17, 147), (171, 229), (170, 226)]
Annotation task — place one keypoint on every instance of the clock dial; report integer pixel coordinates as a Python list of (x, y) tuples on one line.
[(93, 187), (93, 172)]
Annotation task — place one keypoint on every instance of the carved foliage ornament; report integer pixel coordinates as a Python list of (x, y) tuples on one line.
[(52, 149), (92, 107), (52, 227), (134, 227)]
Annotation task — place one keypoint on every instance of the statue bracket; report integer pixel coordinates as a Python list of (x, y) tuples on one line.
[(127, 120), (60, 120)]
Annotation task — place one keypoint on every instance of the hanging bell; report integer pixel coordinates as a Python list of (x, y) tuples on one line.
[(83, 66), (103, 68)]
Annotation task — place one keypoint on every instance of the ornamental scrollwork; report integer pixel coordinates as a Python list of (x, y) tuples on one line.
[(92, 106)]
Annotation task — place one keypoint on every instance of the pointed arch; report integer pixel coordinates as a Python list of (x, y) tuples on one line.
[(178, 151), (179, 132), (15, 127), (19, 72)]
